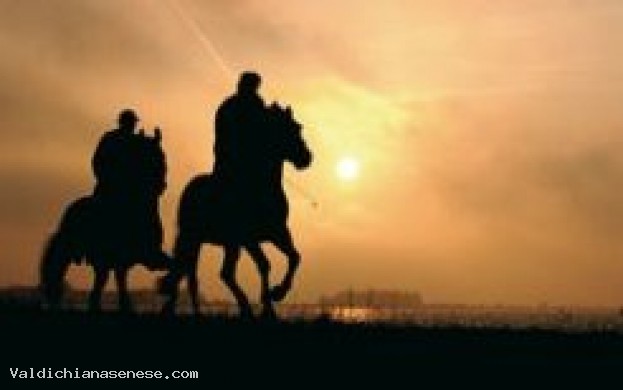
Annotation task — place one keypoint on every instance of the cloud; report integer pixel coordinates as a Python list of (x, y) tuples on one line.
[(489, 131)]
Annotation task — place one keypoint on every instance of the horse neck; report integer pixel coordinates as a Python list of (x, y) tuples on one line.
[(152, 172)]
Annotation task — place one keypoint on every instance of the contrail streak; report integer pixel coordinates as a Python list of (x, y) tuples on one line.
[(201, 36)]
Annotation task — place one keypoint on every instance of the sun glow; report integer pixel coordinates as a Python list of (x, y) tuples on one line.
[(347, 168), (353, 150)]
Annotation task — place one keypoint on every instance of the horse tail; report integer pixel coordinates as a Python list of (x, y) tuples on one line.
[(65, 245)]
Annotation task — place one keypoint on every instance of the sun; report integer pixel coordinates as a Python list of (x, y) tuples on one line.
[(347, 168)]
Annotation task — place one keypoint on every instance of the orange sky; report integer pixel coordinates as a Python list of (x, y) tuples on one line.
[(488, 133)]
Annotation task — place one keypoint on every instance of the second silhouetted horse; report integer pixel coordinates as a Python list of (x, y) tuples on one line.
[(209, 214)]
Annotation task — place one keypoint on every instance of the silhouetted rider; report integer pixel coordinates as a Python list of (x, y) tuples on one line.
[(114, 160), (240, 125), (239, 122), (127, 188)]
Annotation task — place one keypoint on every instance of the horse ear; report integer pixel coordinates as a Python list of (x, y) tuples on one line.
[(289, 111), (157, 135)]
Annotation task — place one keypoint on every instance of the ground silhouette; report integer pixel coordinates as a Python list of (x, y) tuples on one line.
[(231, 351)]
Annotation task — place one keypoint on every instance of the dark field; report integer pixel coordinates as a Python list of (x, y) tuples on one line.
[(224, 348)]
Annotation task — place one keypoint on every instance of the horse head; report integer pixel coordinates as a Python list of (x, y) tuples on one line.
[(152, 161), (288, 136)]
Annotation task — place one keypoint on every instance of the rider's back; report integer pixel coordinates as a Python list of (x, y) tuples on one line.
[(113, 164), (238, 124)]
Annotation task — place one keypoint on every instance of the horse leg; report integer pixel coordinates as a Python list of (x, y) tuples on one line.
[(121, 277), (284, 243), (184, 251), (169, 305), (263, 266), (193, 282), (95, 298), (228, 276), (158, 260)]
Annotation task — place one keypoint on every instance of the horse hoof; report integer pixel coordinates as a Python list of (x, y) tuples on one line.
[(94, 309), (246, 314), (126, 310), (269, 315), (168, 310), (279, 292)]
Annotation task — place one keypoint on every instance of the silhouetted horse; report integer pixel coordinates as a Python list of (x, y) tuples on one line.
[(209, 213), (111, 236)]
